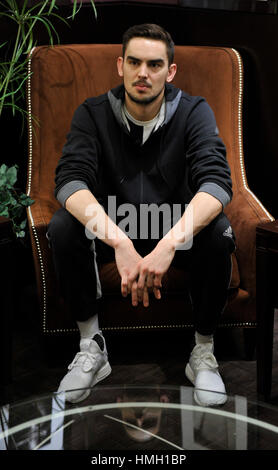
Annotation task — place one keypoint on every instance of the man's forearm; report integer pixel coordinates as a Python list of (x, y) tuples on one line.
[(202, 209), (84, 207)]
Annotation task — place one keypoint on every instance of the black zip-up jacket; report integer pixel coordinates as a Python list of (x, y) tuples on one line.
[(183, 156)]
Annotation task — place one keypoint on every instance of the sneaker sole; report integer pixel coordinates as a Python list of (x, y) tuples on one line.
[(101, 374), (190, 375)]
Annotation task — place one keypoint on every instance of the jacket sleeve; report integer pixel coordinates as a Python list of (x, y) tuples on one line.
[(78, 166), (206, 154)]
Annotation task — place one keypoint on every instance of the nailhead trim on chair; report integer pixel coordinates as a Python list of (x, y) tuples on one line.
[(241, 159), (29, 182), (30, 124), (152, 327), (41, 267), (36, 238), (247, 324)]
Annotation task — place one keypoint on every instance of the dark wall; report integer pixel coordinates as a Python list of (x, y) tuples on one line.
[(254, 35)]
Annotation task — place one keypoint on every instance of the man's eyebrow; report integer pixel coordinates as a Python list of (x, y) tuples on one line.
[(130, 57), (156, 61), (152, 61)]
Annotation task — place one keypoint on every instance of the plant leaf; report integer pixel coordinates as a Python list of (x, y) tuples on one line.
[(25, 200), (4, 212), (3, 168), (12, 175), (23, 224), (20, 234)]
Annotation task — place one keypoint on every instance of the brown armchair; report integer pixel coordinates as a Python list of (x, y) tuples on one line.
[(61, 77)]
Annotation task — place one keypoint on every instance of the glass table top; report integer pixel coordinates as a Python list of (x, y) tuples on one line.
[(137, 417)]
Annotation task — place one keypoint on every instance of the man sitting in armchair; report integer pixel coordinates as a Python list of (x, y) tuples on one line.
[(145, 142)]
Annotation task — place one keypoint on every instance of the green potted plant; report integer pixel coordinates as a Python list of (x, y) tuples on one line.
[(25, 15), (13, 201)]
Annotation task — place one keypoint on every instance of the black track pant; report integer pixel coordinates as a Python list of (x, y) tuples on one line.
[(208, 262)]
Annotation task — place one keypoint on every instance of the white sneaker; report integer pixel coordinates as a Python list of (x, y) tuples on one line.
[(89, 366), (202, 371)]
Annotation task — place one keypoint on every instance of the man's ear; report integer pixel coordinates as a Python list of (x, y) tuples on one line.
[(120, 63), (171, 72)]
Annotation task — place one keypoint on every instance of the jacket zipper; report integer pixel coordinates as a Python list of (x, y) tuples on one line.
[(141, 186)]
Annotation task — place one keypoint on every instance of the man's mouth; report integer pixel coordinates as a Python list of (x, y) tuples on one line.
[(141, 85)]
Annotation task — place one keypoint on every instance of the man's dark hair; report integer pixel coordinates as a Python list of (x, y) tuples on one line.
[(150, 31)]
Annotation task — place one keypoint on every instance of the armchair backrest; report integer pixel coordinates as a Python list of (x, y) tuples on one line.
[(62, 77)]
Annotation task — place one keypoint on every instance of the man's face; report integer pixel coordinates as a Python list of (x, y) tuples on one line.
[(145, 70)]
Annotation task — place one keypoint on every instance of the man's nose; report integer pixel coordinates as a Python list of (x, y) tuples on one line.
[(143, 71)]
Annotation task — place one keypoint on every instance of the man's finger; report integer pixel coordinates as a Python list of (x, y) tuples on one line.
[(124, 286), (150, 280), (157, 293), (157, 281), (141, 284), (157, 286), (146, 297), (134, 296)]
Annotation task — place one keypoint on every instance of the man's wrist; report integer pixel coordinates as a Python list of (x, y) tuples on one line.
[(121, 241), (169, 243)]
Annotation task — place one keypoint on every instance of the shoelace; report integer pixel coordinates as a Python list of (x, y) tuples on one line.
[(87, 356), (206, 360)]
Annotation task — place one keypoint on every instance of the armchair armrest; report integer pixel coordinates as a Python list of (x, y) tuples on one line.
[(245, 212)]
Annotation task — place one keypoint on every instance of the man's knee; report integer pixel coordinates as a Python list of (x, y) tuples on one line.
[(219, 236), (63, 228)]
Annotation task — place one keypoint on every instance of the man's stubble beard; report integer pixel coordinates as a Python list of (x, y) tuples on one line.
[(144, 101)]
